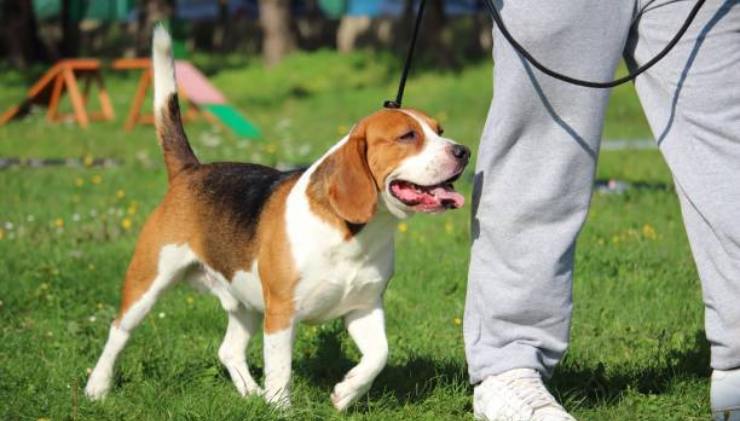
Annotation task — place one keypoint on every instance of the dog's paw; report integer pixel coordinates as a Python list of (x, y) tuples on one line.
[(346, 392), (97, 388), (279, 399)]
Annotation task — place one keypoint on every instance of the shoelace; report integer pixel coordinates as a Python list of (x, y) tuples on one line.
[(531, 391)]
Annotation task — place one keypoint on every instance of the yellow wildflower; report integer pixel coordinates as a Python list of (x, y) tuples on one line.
[(342, 129), (126, 223), (96, 179), (403, 227), (79, 182), (59, 223), (649, 232), (120, 194), (2, 233), (190, 300), (270, 148), (457, 321), (87, 160), (449, 227), (133, 207)]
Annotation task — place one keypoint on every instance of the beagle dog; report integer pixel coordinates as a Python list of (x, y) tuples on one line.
[(306, 245)]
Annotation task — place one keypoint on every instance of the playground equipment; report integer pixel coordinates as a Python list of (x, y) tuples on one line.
[(61, 78), (200, 97)]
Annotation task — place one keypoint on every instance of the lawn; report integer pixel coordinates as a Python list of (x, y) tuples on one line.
[(66, 234)]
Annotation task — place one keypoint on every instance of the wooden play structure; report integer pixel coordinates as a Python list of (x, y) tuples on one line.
[(63, 78), (199, 97)]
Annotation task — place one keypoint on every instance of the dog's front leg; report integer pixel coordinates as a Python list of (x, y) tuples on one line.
[(278, 352), (367, 329)]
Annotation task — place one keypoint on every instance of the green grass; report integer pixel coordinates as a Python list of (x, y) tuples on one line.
[(638, 349)]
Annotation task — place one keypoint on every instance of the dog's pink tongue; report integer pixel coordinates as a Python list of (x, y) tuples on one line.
[(453, 198)]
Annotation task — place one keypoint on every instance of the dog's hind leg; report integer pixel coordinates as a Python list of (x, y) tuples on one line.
[(243, 324), (367, 329), (151, 271)]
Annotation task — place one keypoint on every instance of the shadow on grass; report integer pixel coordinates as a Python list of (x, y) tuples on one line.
[(593, 385), (417, 378), (410, 382)]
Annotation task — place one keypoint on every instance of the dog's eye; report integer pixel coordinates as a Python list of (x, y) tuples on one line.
[(409, 136)]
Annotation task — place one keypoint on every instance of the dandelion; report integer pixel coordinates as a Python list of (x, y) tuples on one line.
[(270, 148), (449, 227), (120, 194), (649, 232), (87, 160), (457, 321), (79, 182), (133, 208), (126, 223), (96, 179), (59, 223), (403, 227)]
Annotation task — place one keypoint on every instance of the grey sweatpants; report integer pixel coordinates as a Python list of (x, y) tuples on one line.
[(538, 154)]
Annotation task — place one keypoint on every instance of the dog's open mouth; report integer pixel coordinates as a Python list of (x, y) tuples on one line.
[(428, 198)]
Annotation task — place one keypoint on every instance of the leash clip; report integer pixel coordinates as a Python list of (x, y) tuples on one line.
[(389, 103)]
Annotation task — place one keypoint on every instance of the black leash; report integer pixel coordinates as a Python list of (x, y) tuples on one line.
[(524, 53), (407, 64)]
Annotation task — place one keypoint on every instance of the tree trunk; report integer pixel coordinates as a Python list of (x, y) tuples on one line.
[(278, 39), (19, 33), (70, 31)]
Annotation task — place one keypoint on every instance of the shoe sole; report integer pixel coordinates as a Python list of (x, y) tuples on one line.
[(728, 415)]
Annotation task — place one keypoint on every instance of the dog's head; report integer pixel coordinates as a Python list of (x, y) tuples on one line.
[(397, 159)]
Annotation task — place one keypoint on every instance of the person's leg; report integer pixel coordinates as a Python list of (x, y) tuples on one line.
[(692, 101), (534, 178)]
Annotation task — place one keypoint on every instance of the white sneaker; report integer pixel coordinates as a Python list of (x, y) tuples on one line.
[(725, 395), (516, 395)]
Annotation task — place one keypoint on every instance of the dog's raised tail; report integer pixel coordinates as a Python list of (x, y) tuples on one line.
[(177, 152)]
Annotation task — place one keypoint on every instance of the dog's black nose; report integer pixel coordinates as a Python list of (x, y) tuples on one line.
[(461, 152)]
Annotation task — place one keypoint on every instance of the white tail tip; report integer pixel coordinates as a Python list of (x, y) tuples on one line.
[(162, 66)]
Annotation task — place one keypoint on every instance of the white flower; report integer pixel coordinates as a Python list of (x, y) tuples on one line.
[(161, 315), (9, 226), (76, 217), (92, 319)]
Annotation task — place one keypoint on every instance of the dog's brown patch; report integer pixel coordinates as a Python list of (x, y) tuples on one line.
[(276, 266), (344, 188)]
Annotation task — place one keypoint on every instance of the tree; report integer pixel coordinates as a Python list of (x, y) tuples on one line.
[(19, 33), (276, 23)]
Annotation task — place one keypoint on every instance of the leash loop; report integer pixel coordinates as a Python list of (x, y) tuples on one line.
[(580, 82), (527, 56)]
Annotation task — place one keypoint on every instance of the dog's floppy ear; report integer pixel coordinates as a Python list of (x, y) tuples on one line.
[(352, 190)]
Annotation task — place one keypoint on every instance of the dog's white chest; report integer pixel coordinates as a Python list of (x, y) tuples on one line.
[(337, 280)]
